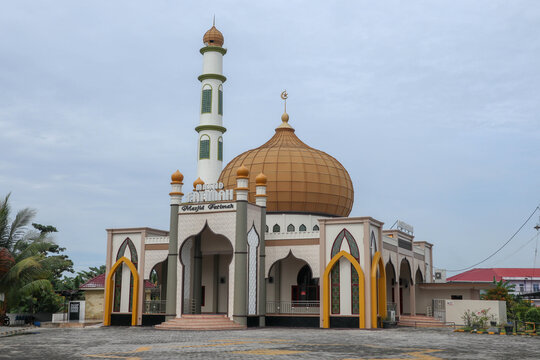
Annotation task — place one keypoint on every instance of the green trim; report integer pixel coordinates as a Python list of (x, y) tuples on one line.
[(219, 49), (212, 76), (210, 127)]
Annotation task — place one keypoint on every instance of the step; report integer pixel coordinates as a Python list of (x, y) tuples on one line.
[(200, 322)]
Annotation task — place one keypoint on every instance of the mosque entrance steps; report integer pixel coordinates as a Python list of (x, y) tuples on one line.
[(420, 321), (200, 322)]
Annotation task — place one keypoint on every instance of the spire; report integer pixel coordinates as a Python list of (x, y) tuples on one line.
[(285, 116)]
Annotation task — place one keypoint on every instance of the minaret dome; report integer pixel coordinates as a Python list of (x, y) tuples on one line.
[(213, 37)]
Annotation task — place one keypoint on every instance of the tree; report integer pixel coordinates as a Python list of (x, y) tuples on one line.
[(37, 261)]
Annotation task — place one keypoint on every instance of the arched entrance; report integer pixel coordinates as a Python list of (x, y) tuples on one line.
[(155, 295), (109, 291), (291, 288), (378, 289), (405, 284), (326, 288), (206, 258), (418, 279)]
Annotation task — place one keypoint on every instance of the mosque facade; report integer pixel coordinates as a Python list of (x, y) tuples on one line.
[(265, 240)]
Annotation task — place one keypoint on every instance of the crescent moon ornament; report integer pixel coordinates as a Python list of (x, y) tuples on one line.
[(284, 95)]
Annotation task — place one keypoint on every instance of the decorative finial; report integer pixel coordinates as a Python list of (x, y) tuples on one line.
[(285, 116), (284, 96), (214, 21)]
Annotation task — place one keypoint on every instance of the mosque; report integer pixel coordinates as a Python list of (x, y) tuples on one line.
[(266, 240)]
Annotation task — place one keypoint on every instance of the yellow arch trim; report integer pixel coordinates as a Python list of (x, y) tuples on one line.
[(109, 291), (379, 290), (326, 289)]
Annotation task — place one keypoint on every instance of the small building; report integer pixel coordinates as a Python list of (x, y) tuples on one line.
[(94, 295), (525, 280)]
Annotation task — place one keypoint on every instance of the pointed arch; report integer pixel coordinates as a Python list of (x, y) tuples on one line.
[(108, 291), (326, 289), (126, 244), (353, 246), (336, 276), (378, 289)]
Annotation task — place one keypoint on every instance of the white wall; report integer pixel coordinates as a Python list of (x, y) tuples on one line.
[(456, 308)]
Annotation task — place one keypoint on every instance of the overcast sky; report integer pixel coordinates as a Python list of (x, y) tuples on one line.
[(432, 106)]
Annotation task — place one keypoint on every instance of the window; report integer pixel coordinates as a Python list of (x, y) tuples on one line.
[(220, 101), (276, 228), (521, 288), (290, 228), (536, 287), (316, 228), (206, 103), (302, 228), (456, 297), (266, 228), (220, 149), (204, 147)]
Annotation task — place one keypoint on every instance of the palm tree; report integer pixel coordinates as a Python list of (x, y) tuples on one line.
[(10, 234), (29, 269)]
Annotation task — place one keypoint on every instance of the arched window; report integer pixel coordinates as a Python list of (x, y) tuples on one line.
[(204, 147), (302, 228), (220, 100), (316, 228), (276, 228), (206, 99), (267, 228), (220, 149), (290, 228)]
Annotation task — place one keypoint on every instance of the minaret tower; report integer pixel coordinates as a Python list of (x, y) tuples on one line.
[(210, 130)]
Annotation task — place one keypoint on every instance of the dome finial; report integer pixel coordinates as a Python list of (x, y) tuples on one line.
[(285, 116)]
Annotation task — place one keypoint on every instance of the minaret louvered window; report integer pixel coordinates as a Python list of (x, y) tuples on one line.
[(220, 101), (220, 149), (302, 228), (276, 228), (206, 103), (290, 228), (204, 147)]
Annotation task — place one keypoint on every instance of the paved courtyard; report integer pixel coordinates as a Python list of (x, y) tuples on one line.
[(270, 343)]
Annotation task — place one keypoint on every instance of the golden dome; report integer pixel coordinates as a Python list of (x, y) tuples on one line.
[(261, 179), (213, 37), (301, 179), (197, 182), (177, 177), (242, 172)]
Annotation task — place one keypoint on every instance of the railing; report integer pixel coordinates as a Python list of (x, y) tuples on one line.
[(292, 307), (189, 306), (154, 306)]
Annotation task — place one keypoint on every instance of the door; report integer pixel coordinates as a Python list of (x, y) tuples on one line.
[(74, 310)]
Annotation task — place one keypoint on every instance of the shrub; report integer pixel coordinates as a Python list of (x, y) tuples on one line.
[(533, 315)]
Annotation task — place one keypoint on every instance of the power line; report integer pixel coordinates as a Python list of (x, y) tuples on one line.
[(502, 247)]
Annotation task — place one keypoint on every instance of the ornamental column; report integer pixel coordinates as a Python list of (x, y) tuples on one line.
[(210, 129), (260, 200), (172, 260), (240, 247)]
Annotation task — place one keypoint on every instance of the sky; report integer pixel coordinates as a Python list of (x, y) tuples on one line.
[(432, 106)]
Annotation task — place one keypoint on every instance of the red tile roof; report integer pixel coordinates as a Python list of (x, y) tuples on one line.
[(99, 283), (498, 273)]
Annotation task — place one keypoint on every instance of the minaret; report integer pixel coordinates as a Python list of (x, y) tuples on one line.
[(210, 130)]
